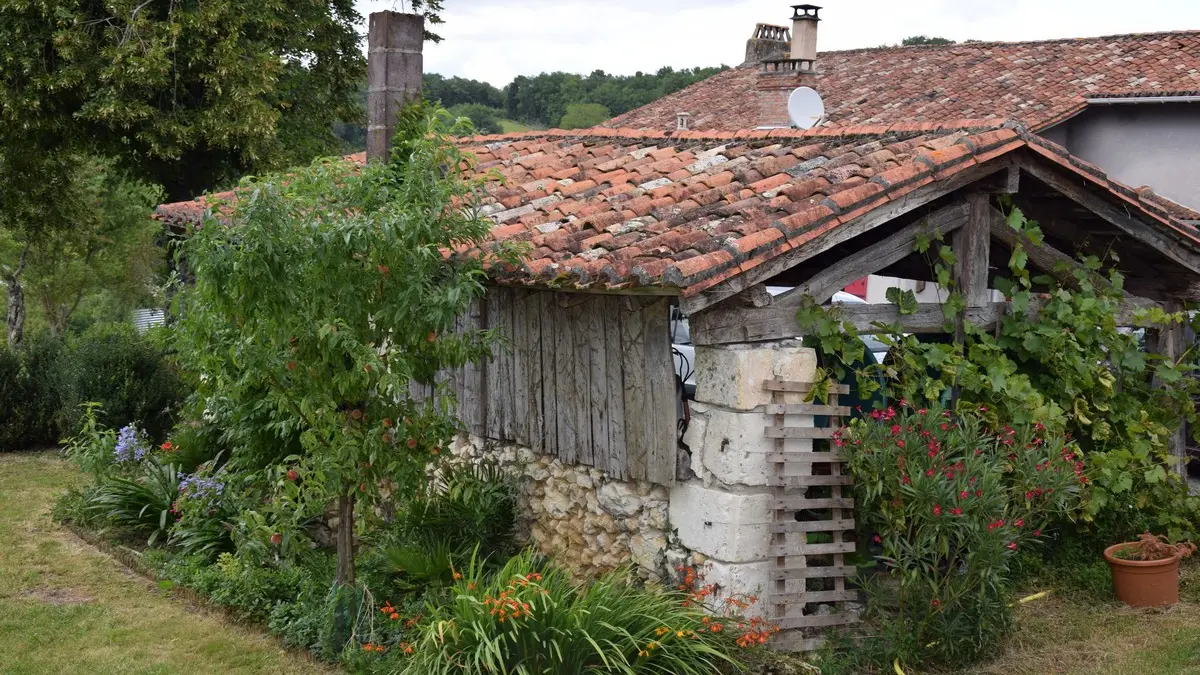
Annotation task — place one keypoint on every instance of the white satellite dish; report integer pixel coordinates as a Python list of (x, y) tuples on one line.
[(805, 107)]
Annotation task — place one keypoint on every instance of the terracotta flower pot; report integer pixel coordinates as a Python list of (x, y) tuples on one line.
[(1144, 583)]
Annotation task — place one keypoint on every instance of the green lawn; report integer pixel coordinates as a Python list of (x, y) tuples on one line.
[(509, 126), (66, 608)]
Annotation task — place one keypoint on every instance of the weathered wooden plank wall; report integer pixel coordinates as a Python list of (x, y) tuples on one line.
[(587, 378)]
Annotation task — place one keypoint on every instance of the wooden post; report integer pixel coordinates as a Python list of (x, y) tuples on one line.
[(971, 249), (394, 68), (1167, 341)]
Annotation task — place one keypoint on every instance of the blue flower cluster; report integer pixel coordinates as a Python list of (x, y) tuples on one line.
[(200, 487), (132, 444)]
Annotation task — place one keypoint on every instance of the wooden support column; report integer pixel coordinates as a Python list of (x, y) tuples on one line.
[(971, 249), (394, 68), (1167, 341)]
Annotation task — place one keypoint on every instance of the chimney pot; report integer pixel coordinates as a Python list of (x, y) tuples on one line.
[(395, 65), (804, 31), (682, 120)]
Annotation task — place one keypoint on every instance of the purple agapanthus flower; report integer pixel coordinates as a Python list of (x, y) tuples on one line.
[(132, 444), (200, 487)]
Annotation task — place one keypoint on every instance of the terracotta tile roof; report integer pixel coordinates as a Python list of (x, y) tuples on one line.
[(1038, 83), (681, 212)]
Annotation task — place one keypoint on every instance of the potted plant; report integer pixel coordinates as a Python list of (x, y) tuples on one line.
[(1146, 572)]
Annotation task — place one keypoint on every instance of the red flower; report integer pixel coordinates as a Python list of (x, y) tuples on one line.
[(877, 539), (277, 539), (1012, 545), (292, 475), (956, 511), (962, 495), (935, 602), (937, 510), (905, 480), (1019, 523), (895, 429), (979, 493), (1029, 495), (1037, 533), (930, 473)]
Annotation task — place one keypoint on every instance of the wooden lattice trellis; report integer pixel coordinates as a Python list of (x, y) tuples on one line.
[(813, 524)]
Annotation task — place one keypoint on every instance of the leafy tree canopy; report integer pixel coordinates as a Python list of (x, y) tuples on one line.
[(916, 40), (485, 120), (190, 94)]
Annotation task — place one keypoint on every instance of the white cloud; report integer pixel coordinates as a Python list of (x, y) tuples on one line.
[(496, 40)]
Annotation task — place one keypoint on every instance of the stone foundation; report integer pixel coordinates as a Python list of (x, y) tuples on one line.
[(589, 522)]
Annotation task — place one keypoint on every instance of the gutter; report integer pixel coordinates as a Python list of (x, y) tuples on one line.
[(1143, 99)]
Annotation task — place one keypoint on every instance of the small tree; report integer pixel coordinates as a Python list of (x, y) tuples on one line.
[(330, 293)]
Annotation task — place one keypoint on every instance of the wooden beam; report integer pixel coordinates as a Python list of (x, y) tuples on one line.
[(726, 326), (838, 235), (971, 250), (1074, 188), (875, 257)]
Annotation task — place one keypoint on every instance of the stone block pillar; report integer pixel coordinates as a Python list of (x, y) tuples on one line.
[(726, 513)]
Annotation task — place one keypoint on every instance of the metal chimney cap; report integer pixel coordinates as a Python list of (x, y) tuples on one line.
[(806, 13)]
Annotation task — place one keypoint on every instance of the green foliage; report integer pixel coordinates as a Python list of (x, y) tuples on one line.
[(530, 618), (329, 297), (924, 40), (469, 509), (454, 91), (141, 502), (484, 120), (30, 394), (951, 503), (190, 94), (127, 373), (1059, 357), (583, 115), (544, 99)]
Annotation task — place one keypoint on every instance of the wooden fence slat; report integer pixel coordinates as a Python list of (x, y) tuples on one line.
[(791, 549), (799, 502), (563, 405), (812, 526), (520, 367), (799, 432), (784, 573), (550, 327), (806, 409), (809, 481), (803, 457), (637, 394), (598, 379), (815, 621), (661, 418), (507, 384), (804, 597), (801, 387), (617, 464), (584, 339)]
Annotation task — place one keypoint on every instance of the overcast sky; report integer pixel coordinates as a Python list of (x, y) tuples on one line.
[(496, 40)]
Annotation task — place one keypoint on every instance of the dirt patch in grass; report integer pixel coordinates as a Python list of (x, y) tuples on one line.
[(56, 596)]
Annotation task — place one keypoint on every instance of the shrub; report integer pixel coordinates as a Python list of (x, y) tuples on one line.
[(126, 373), (530, 618), (30, 394), (950, 504)]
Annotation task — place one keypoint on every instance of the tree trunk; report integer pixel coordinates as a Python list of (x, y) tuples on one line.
[(16, 304), (345, 538)]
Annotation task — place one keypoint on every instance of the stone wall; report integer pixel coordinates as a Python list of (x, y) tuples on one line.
[(591, 523)]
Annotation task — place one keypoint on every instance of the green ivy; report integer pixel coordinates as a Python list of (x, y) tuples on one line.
[(1059, 357)]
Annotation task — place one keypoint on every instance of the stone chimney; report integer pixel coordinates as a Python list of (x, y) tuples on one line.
[(779, 77), (767, 42), (394, 68), (682, 121)]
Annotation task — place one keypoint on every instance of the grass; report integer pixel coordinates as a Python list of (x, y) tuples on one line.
[(509, 126), (65, 607), (1067, 634)]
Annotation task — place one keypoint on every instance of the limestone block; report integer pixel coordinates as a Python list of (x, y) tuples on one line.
[(733, 448), (732, 375), (739, 580), (722, 525), (620, 499), (645, 548)]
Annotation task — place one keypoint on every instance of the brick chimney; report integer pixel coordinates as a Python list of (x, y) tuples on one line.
[(767, 42), (778, 77), (394, 68)]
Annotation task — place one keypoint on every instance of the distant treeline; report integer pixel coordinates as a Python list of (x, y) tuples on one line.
[(556, 99)]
